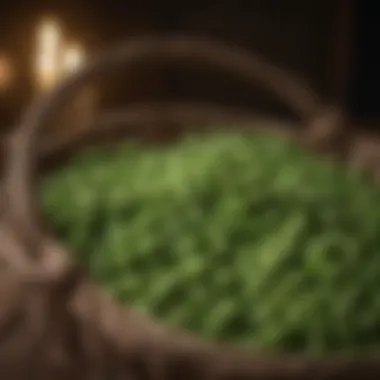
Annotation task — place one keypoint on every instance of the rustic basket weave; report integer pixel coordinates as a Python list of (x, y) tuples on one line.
[(54, 322)]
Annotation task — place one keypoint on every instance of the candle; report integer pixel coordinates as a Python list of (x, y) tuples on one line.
[(55, 59), (47, 56)]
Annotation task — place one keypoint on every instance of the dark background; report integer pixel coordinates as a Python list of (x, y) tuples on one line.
[(364, 97), (295, 33)]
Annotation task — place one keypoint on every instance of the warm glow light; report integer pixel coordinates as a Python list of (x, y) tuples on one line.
[(73, 58), (47, 54), (54, 60)]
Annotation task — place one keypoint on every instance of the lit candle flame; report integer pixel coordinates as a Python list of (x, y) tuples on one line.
[(47, 54), (54, 59)]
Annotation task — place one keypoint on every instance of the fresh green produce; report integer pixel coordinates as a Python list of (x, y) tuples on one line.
[(242, 237)]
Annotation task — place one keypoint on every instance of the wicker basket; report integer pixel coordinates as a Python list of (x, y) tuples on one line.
[(66, 328)]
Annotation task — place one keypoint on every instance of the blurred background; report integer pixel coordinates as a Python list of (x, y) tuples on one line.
[(331, 45)]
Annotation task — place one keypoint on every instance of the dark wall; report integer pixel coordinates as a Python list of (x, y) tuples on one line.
[(365, 85), (299, 35)]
